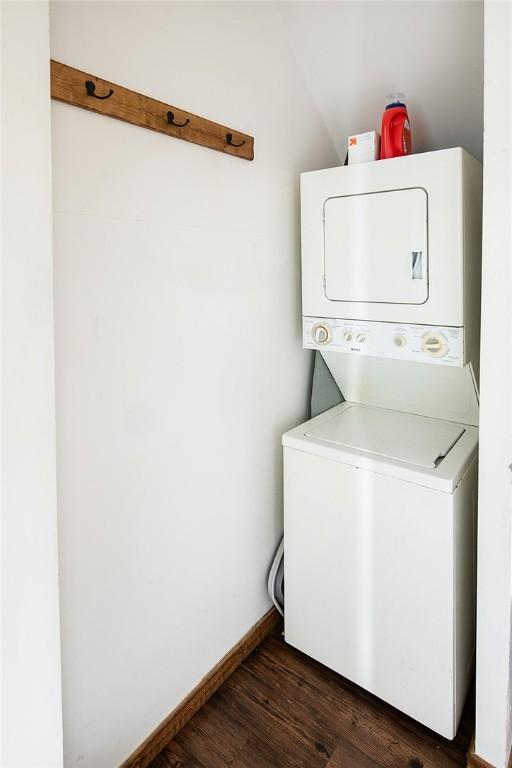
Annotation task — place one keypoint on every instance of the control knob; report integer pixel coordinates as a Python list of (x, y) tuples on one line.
[(321, 333), (434, 344)]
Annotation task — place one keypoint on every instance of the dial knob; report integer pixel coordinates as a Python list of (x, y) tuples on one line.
[(321, 333), (434, 344), (361, 338), (348, 336), (400, 340)]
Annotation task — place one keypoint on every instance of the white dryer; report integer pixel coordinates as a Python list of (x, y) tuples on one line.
[(380, 491)]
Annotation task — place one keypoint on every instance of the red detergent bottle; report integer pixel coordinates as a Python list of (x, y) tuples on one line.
[(395, 138)]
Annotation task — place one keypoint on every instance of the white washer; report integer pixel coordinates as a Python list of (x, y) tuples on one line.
[(379, 554)]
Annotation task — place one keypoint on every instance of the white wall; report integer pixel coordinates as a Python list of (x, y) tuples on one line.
[(493, 688), (353, 54), (179, 360), (31, 726)]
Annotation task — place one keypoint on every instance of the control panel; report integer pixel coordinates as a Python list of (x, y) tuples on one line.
[(419, 343)]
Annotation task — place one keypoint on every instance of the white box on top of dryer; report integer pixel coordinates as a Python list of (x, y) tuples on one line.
[(395, 241), (363, 147)]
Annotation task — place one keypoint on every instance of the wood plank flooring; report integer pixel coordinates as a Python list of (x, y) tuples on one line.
[(281, 709)]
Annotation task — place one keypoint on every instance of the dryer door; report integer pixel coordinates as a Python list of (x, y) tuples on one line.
[(376, 247)]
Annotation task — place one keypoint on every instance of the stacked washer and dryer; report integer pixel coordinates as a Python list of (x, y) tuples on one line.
[(380, 492)]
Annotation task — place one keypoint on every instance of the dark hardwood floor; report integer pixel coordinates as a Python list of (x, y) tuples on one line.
[(281, 709)]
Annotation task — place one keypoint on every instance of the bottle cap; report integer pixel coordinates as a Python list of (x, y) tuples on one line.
[(396, 99)]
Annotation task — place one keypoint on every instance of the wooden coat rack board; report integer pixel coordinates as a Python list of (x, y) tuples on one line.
[(84, 90)]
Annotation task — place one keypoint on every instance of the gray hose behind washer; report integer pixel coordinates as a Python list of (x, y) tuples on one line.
[(276, 579), (325, 394)]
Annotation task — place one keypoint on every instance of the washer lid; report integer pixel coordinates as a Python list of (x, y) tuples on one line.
[(416, 440)]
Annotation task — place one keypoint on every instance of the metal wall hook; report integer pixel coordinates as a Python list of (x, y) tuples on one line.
[(229, 140), (90, 88), (171, 120)]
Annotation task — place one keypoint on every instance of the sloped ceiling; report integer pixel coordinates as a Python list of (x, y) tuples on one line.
[(353, 54)]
